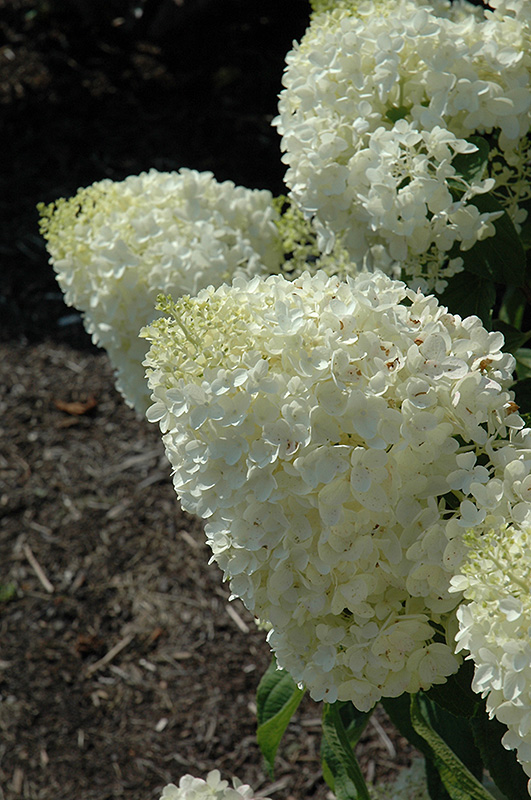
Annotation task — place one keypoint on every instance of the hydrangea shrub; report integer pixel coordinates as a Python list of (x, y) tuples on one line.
[(358, 449)]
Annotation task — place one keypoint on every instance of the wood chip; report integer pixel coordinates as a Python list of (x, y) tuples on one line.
[(155, 477), (233, 614), (211, 728), (147, 665), (78, 581), (37, 569), (273, 787), (190, 540), (113, 652), (134, 461), (18, 780), (118, 509), (383, 736)]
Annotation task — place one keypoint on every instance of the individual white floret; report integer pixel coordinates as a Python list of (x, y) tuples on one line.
[(116, 244), (339, 443)]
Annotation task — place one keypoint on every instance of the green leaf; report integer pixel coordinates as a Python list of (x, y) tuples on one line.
[(340, 765), (354, 722), (454, 732), (434, 782), (453, 729), (471, 166), (502, 765), (397, 112), (458, 781), (277, 699), (7, 592), (399, 711), (499, 258), (514, 339), (468, 294), (523, 362), (456, 695), (513, 307)]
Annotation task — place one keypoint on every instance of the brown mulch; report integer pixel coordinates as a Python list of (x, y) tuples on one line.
[(122, 663)]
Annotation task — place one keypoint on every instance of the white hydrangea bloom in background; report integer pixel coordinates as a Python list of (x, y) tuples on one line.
[(340, 443), (495, 625), (379, 99), (213, 788), (116, 244)]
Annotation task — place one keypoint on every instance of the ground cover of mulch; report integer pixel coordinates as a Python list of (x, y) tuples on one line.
[(122, 663)]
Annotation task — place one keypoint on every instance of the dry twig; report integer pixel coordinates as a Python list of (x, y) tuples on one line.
[(38, 570), (112, 653)]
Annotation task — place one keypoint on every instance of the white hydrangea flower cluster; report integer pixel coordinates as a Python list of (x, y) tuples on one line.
[(379, 100), (340, 443), (495, 625), (116, 244), (213, 788)]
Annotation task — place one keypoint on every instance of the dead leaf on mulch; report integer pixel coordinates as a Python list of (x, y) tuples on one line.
[(76, 407), (88, 644)]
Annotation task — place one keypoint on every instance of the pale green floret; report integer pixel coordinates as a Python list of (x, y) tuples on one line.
[(498, 560), (364, 8), (299, 244), (200, 329)]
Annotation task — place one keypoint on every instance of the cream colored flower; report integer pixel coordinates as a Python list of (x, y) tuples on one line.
[(379, 100), (331, 435), (213, 788)]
